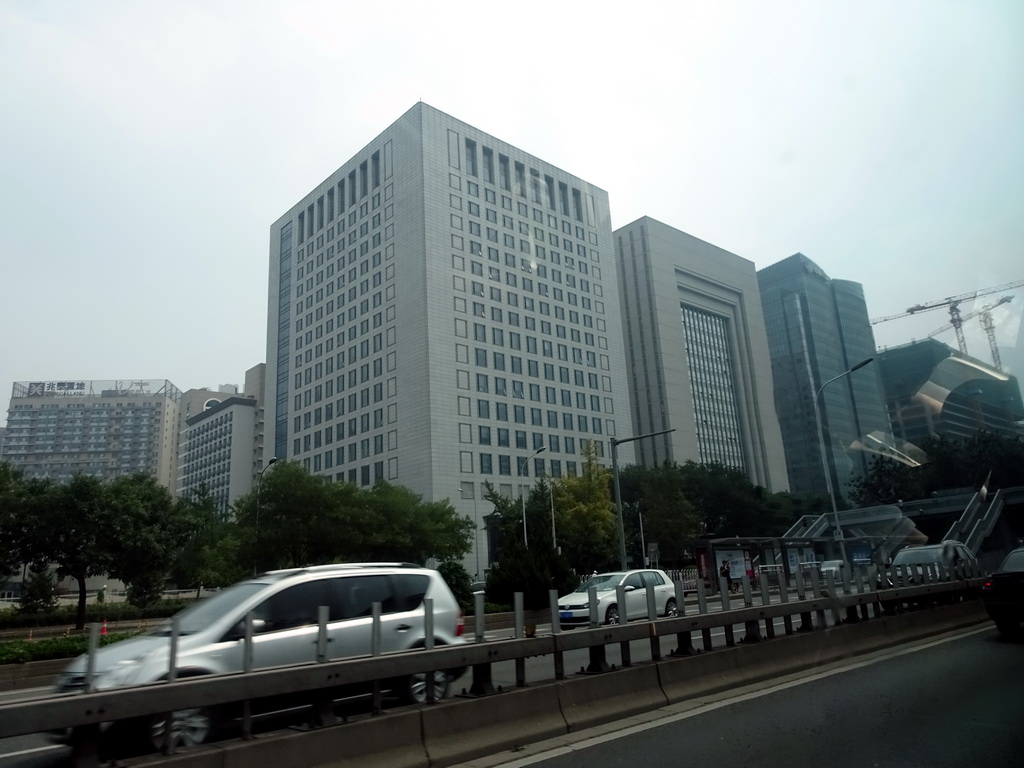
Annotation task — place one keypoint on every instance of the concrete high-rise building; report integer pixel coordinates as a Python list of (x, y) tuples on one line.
[(105, 429), (443, 307), (932, 390), (220, 440), (818, 328), (697, 353), (217, 449)]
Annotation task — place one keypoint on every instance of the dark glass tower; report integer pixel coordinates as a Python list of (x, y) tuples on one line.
[(817, 329)]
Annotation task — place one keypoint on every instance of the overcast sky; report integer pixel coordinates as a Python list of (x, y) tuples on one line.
[(146, 147)]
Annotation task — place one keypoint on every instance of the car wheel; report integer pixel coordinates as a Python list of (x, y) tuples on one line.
[(670, 608), (611, 616), (416, 687), (188, 728)]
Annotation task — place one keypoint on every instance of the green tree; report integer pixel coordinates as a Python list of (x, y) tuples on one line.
[(303, 519), (13, 520), (70, 526), (210, 554), (585, 518), (39, 593), (669, 517), (147, 533)]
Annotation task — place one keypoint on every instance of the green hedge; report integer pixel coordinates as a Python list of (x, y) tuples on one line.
[(21, 651), (94, 612)]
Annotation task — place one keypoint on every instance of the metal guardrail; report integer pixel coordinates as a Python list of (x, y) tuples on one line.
[(856, 597)]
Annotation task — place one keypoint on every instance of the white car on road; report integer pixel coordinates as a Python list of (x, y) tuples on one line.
[(574, 608)]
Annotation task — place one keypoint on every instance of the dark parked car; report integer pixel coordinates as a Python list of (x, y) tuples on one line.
[(1003, 594), (951, 554)]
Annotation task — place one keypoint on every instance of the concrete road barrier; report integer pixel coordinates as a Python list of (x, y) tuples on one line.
[(32, 674), (458, 730), (589, 700)]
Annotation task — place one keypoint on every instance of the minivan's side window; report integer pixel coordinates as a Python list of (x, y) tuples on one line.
[(410, 589), (354, 596), (293, 607)]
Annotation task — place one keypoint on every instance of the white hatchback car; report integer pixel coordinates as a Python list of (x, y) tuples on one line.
[(574, 608)]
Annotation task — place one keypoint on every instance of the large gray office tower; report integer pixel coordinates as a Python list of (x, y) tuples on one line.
[(818, 328), (697, 354), (442, 307)]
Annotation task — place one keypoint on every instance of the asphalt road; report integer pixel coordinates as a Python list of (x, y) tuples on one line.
[(953, 703), (36, 751)]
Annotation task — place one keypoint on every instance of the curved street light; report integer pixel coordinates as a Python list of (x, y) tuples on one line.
[(259, 485), (522, 496), (838, 533), (476, 531)]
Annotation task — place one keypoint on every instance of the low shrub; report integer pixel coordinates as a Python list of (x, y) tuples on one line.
[(22, 651), (64, 615)]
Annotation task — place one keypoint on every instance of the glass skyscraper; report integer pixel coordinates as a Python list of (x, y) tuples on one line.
[(817, 329)]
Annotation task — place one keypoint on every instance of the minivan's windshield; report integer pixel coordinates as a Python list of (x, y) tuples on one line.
[(199, 616), (602, 582)]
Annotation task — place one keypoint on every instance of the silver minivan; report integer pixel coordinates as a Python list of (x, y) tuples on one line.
[(285, 607)]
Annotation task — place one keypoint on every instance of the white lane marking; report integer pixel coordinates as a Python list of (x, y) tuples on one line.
[(31, 751), (596, 740)]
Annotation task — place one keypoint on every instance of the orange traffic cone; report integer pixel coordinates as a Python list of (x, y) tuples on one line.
[(104, 630)]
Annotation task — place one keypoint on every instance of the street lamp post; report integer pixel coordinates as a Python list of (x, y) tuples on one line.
[(618, 491), (522, 496), (259, 485), (476, 533), (838, 533), (551, 498)]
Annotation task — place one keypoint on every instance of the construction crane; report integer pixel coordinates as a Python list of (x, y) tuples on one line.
[(986, 323), (956, 319)]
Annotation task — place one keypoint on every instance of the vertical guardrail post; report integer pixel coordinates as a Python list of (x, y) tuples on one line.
[(323, 614), (751, 629), (702, 609), (652, 626), (479, 618), (428, 644), (172, 657), (520, 630), (684, 645), (723, 587), (620, 599), (598, 655), (858, 583), (874, 577), (766, 599), (376, 703), (806, 622), (322, 708), (172, 675), (787, 620), (90, 661), (816, 592), (247, 666), (833, 593), (556, 628), (852, 616), (483, 682), (595, 619)]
